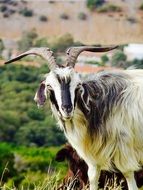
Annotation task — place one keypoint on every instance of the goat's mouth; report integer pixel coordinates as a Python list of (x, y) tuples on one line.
[(67, 116)]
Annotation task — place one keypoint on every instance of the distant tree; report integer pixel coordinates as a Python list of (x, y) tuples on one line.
[(64, 16), (61, 43), (119, 59), (92, 4), (21, 122), (27, 40), (26, 12), (82, 16), (136, 63), (1, 47), (43, 18), (7, 162), (141, 7), (41, 42), (104, 59)]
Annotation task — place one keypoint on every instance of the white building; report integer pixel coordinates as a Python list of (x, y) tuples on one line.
[(134, 51)]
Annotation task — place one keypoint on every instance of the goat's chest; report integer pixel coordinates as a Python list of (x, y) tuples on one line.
[(76, 133)]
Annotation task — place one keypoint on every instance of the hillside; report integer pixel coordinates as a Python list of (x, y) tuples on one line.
[(125, 26)]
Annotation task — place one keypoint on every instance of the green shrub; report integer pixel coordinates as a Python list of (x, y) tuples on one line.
[(136, 63), (64, 16), (6, 162), (29, 168), (1, 47), (119, 59), (51, 1), (36, 114), (109, 8), (82, 16), (141, 7), (21, 122), (41, 42), (26, 12), (132, 20), (92, 4), (43, 18), (61, 43), (3, 8), (27, 40), (104, 59)]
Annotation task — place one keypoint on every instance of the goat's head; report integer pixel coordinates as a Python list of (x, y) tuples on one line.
[(62, 81)]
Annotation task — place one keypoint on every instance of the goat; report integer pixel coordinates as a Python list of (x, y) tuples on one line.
[(101, 118), (77, 169)]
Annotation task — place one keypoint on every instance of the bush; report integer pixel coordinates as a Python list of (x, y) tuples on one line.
[(21, 122), (7, 162), (28, 167), (61, 43), (141, 7), (26, 12), (109, 8), (51, 1), (137, 64), (64, 16), (92, 4), (119, 59), (82, 16), (104, 59), (3, 8), (43, 18), (1, 46), (27, 40), (42, 42), (132, 20)]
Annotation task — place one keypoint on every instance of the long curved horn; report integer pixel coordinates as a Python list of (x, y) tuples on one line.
[(44, 52), (73, 52)]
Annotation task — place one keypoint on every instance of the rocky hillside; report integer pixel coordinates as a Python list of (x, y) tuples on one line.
[(52, 18)]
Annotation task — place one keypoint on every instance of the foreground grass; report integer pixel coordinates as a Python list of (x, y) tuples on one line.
[(51, 182)]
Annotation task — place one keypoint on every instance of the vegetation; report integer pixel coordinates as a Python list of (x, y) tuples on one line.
[(57, 44), (1, 47), (21, 122), (61, 43), (109, 8), (93, 4), (64, 16), (3, 8), (27, 40), (137, 64), (132, 20), (82, 16), (141, 7), (119, 59), (29, 167), (43, 18), (26, 12)]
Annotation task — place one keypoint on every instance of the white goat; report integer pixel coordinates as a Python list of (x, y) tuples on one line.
[(101, 118)]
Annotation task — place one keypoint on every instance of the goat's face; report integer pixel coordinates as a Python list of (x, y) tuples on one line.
[(62, 82), (61, 85)]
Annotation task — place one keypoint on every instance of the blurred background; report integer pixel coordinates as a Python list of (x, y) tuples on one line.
[(29, 137)]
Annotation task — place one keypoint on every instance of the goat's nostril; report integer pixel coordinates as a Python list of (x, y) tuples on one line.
[(69, 109)]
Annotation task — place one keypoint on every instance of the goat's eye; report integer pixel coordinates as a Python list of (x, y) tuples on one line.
[(78, 86), (49, 88)]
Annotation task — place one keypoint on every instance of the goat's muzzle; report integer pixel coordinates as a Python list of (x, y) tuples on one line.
[(67, 109), (67, 112)]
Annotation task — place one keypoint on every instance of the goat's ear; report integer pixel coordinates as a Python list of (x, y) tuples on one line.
[(61, 155), (40, 96)]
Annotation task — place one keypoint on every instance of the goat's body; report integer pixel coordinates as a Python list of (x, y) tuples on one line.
[(101, 118), (113, 139)]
